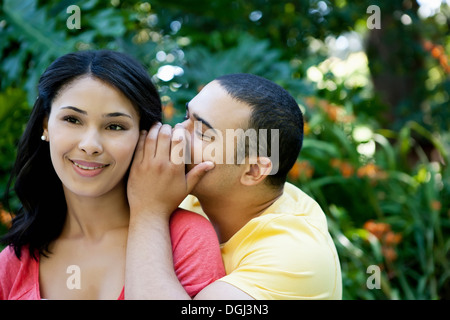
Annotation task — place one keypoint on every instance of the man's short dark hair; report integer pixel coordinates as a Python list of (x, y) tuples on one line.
[(272, 108)]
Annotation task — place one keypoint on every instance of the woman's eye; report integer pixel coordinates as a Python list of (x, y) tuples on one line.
[(186, 116), (115, 127), (71, 119)]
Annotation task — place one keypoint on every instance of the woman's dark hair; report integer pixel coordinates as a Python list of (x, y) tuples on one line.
[(272, 108), (40, 219)]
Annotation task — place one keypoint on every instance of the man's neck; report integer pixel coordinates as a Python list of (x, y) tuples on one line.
[(229, 214)]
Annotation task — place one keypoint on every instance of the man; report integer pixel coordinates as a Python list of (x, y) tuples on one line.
[(275, 242)]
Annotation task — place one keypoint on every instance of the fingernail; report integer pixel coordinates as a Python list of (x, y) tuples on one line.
[(210, 165)]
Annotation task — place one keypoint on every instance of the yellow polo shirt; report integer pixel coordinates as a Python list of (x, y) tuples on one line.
[(285, 253)]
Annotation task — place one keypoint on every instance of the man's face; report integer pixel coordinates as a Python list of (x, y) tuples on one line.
[(208, 117)]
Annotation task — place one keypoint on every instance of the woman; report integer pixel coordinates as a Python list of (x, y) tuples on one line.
[(68, 241)]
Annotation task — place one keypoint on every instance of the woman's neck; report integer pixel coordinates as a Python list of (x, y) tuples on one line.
[(93, 217)]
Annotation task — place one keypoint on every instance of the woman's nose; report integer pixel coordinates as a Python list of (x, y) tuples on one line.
[(90, 143)]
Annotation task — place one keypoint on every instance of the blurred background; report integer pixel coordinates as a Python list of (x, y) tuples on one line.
[(373, 83)]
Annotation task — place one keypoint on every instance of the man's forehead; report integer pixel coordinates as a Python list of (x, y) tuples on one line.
[(210, 95), (214, 104)]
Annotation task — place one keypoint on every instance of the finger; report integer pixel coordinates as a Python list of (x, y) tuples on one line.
[(178, 145), (139, 151), (196, 173), (151, 141), (163, 145)]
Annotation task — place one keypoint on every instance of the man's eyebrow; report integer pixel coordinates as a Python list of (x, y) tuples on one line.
[(198, 118), (206, 123), (107, 115)]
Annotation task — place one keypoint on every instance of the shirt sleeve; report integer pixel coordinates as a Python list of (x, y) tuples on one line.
[(196, 251), (5, 281), (285, 259)]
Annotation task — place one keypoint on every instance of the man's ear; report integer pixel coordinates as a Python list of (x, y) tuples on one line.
[(255, 173)]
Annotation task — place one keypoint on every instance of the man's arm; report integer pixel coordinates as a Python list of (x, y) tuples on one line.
[(220, 290), (156, 186)]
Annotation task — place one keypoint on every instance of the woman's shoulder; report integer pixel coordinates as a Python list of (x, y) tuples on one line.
[(11, 265), (8, 259), (14, 272), (188, 225), (196, 252), (181, 217)]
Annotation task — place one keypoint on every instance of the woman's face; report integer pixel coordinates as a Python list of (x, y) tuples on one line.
[(92, 131)]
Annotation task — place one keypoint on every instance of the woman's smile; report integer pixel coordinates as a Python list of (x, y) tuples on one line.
[(88, 169)]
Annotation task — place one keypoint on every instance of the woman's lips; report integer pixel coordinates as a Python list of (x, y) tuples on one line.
[(88, 169)]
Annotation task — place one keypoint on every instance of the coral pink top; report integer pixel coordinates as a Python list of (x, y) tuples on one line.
[(196, 256)]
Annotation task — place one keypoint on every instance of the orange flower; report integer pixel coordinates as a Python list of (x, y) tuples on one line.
[(369, 170), (389, 254), (344, 167), (392, 238), (436, 205), (372, 171), (168, 110), (437, 51), (301, 169), (310, 101), (427, 45), (332, 111), (335, 163), (347, 169), (378, 229), (5, 217), (388, 238), (306, 128)]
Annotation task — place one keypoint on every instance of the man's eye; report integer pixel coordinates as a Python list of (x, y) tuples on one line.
[(204, 137)]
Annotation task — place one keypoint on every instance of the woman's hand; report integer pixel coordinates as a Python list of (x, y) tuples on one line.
[(157, 183)]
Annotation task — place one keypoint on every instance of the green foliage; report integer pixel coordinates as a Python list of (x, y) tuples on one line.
[(359, 187), (377, 143), (14, 113)]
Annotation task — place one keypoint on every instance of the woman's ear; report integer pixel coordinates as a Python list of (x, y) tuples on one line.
[(255, 173), (45, 129)]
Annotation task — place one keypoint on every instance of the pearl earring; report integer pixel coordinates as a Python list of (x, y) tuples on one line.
[(43, 137)]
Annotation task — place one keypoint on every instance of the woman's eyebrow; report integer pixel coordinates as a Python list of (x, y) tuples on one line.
[(75, 109), (107, 115), (116, 114)]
